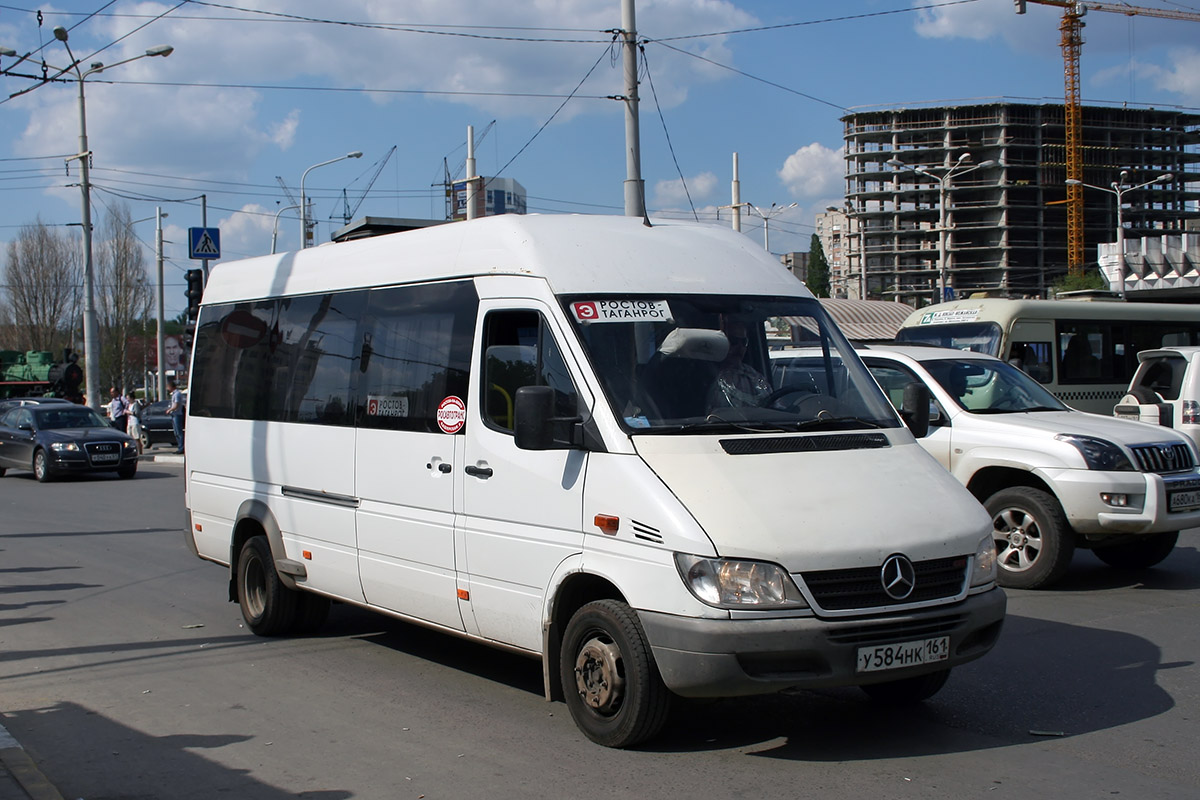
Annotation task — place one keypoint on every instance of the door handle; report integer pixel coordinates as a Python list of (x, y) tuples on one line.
[(478, 472), (445, 468)]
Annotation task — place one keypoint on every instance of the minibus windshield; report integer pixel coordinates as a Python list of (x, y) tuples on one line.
[(702, 363), (978, 337)]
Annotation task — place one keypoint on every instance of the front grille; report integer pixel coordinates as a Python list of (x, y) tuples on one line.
[(882, 633), (1173, 457), (862, 587)]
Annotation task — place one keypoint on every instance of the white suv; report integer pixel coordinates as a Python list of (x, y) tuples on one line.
[(1052, 478), (1165, 390)]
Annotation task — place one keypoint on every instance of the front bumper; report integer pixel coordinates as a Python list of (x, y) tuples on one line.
[(68, 462), (1148, 510), (727, 658)]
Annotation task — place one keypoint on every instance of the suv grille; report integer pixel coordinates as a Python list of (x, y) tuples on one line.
[(862, 587), (1163, 457)]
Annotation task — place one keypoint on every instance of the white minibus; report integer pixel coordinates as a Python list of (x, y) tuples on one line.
[(1083, 351), (558, 435)]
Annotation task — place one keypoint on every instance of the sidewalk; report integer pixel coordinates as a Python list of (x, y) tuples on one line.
[(20, 778)]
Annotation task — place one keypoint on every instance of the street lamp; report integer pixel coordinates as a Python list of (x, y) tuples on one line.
[(303, 201), (767, 215), (1119, 188), (960, 167), (91, 332), (275, 230)]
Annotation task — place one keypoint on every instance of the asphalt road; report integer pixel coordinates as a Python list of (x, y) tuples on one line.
[(126, 674)]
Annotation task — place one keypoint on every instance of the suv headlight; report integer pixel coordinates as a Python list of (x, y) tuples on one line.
[(984, 570), (1098, 454), (729, 583)]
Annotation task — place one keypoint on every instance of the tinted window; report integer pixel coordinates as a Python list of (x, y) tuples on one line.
[(285, 360), (415, 352), (520, 351)]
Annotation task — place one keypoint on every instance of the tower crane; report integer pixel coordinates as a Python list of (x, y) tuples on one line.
[(1071, 41), (349, 212)]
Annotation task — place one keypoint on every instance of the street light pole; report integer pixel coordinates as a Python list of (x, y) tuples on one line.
[(767, 215), (91, 331), (304, 201), (1118, 190), (275, 230), (960, 167)]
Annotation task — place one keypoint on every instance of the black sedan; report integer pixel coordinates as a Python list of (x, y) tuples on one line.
[(157, 427), (56, 439)]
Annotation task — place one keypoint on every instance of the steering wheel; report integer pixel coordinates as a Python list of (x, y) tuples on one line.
[(807, 397)]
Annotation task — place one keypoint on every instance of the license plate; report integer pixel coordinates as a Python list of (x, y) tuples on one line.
[(1183, 501), (903, 654), (106, 457)]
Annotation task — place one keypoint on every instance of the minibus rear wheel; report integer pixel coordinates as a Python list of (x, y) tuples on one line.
[(268, 606), (611, 683)]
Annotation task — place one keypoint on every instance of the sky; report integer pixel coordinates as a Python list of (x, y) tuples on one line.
[(259, 91)]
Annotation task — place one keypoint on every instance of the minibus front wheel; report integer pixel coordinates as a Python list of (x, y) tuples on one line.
[(609, 678)]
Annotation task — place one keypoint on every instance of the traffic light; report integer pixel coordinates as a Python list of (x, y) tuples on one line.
[(195, 290)]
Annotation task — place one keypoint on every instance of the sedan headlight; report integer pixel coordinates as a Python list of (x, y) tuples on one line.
[(130, 445), (64, 447), (1098, 454), (984, 570), (728, 583)]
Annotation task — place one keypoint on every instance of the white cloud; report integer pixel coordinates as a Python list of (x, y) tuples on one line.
[(1181, 75), (670, 193), (813, 171)]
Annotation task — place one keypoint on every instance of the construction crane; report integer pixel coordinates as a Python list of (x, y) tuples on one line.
[(350, 212), (1071, 29)]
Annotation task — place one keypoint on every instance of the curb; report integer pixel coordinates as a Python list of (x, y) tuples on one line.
[(22, 768)]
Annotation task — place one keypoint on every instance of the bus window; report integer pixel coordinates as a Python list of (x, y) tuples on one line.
[(1034, 359)]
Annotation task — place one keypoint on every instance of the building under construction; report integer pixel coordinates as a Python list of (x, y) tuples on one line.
[(990, 179)]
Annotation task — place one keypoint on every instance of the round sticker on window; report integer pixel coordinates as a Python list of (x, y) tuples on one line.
[(451, 415)]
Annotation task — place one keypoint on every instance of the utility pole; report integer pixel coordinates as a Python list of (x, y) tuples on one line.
[(161, 336), (472, 191), (736, 197), (635, 205)]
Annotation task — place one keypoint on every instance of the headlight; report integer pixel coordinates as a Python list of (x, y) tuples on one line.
[(984, 571), (1097, 453), (727, 583), (64, 447), (130, 445)]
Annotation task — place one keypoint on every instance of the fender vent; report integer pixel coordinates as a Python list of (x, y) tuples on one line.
[(645, 532), (759, 445)]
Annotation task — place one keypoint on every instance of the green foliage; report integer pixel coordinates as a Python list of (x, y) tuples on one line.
[(1088, 279), (818, 269)]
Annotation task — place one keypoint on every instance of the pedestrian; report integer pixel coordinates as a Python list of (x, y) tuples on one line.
[(175, 412), (118, 409), (134, 425)]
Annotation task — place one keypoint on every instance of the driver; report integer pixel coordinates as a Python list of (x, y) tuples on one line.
[(738, 385)]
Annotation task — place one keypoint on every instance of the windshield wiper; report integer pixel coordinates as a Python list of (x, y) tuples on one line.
[(839, 421), (719, 424)]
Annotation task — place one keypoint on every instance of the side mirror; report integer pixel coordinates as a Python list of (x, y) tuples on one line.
[(915, 410), (533, 410)]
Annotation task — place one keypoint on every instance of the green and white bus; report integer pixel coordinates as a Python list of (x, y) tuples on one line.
[(1084, 351)]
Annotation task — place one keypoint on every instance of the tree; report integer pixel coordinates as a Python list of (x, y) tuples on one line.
[(1090, 279), (123, 297), (43, 275), (818, 269)]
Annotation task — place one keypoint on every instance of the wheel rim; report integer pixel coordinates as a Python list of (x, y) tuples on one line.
[(1018, 539), (254, 588), (599, 676), (39, 465)]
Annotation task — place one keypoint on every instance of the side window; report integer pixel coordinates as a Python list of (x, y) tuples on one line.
[(1034, 358), (283, 360), (892, 378), (1086, 352), (415, 351), (518, 350)]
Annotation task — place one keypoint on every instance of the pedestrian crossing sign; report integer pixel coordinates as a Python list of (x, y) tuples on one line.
[(204, 243)]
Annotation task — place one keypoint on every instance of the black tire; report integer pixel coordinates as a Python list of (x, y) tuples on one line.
[(2, 471), (1034, 542), (41, 466), (268, 606), (612, 686), (907, 691), (127, 471), (1140, 553)]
